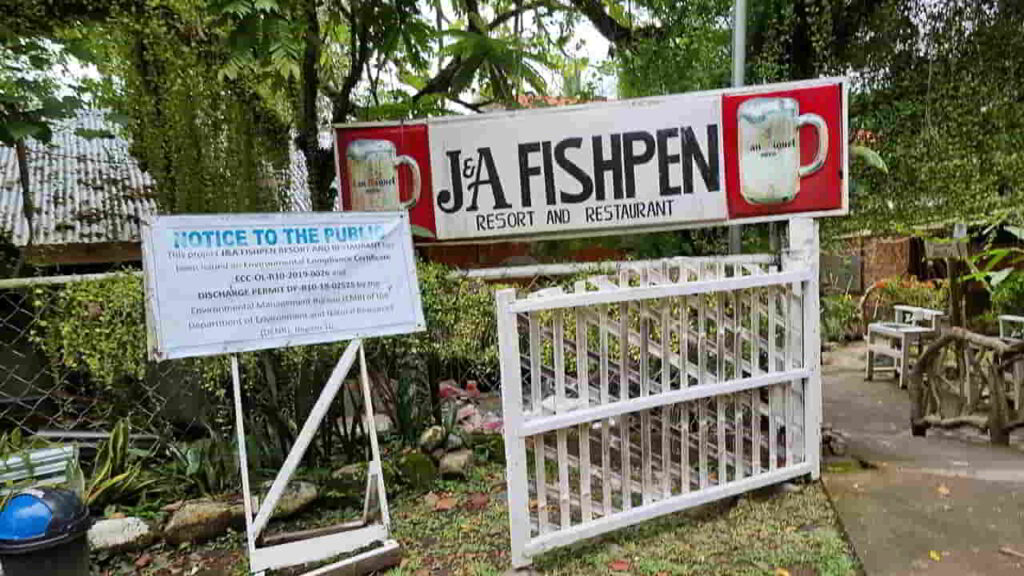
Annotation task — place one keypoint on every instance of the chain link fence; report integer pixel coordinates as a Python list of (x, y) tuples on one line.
[(47, 389), (73, 363)]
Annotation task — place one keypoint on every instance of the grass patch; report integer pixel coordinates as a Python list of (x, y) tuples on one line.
[(797, 532)]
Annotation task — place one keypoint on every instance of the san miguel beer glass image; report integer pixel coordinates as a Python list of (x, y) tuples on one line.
[(372, 167), (769, 149)]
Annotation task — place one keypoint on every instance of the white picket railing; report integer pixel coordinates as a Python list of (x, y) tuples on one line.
[(668, 385)]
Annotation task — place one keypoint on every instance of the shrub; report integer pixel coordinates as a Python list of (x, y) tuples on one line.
[(1008, 295), (839, 317), (904, 290), (96, 327)]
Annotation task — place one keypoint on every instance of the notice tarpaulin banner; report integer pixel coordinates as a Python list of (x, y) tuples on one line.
[(225, 283), (748, 154)]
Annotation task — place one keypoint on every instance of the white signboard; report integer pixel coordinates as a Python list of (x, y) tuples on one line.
[(608, 168), (227, 283), (751, 154)]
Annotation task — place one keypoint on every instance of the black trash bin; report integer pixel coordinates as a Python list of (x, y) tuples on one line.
[(42, 531)]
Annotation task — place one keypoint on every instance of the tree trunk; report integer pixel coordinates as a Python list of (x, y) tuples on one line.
[(318, 159), (27, 205)]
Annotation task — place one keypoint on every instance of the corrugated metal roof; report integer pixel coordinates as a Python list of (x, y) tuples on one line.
[(84, 189)]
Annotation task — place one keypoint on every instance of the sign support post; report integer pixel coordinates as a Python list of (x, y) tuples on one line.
[(350, 536)]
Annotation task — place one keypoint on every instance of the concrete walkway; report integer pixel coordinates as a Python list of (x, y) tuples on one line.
[(945, 504)]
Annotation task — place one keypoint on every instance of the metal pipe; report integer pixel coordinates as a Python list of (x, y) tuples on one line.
[(739, 42), (739, 61)]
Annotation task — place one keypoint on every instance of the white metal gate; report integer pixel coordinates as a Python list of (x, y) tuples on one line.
[(672, 384)]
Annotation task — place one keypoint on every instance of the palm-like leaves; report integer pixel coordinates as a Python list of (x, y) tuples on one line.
[(501, 62)]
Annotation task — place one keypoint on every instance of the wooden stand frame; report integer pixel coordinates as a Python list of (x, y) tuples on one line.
[(331, 541)]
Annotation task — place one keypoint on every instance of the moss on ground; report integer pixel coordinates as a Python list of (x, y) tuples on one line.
[(462, 530), (793, 532)]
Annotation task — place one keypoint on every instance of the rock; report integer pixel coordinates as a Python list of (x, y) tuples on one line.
[(454, 442), (380, 421), (120, 535), (417, 470), (297, 495), (432, 438), (349, 479), (199, 520), (457, 463)]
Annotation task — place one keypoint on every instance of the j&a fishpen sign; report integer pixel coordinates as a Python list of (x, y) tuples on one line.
[(760, 153)]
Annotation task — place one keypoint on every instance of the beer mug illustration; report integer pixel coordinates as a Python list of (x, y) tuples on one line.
[(372, 167), (769, 148)]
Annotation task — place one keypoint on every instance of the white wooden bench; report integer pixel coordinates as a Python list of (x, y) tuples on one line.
[(900, 340), (1011, 327)]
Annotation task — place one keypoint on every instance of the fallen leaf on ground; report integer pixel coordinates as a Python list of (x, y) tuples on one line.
[(934, 555), (618, 565), (781, 572), (942, 490), (478, 502), (445, 504), (1011, 552), (143, 561)]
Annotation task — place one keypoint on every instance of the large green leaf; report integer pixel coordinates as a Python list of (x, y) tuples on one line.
[(868, 155), (14, 131)]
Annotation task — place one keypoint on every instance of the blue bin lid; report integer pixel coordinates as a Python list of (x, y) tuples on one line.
[(40, 518), (25, 517)]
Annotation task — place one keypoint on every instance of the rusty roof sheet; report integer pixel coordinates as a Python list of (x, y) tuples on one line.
[(84, 190)]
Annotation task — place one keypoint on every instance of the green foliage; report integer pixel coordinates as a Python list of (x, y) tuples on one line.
[(117, 473), (93, 332), (417, 471), (839, 317), (210, 143), (1008, 295), (97, 328), (13, 443), (995, 266), (934, 76), (208, 466), (499, 60), (30, 91), (691, 50)]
